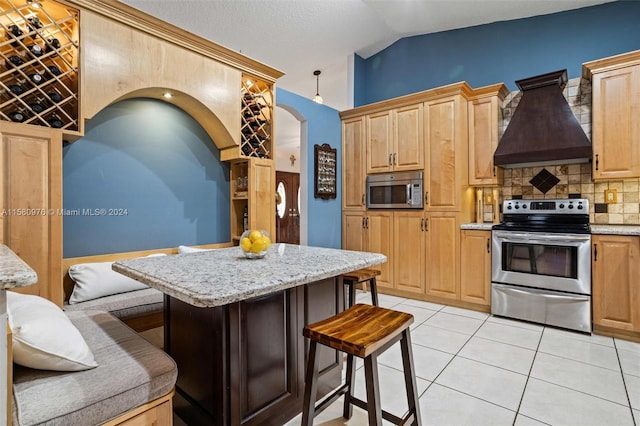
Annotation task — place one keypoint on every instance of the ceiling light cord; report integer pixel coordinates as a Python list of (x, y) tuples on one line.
[(317, 98)]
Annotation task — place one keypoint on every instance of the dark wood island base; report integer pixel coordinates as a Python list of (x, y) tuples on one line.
[(243, 363)]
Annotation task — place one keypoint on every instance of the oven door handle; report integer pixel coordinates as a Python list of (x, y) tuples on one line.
[(514, 237), (576, 297)]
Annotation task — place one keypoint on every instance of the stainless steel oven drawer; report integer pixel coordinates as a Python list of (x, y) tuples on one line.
[(572, 311)]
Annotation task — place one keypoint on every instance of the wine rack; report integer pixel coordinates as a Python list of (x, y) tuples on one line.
[(257, 113), (39, 63)]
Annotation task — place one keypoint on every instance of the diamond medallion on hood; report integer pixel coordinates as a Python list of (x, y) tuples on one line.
[(544, 181)]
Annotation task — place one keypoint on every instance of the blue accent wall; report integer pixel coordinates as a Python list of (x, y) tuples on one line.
[(155, 162), (500, 52), (324, 126)]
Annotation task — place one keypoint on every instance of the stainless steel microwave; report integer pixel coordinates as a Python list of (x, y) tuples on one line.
[(402, 190)]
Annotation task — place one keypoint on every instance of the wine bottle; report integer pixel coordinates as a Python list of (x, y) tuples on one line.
[(14, 32), (37, 105), (14, 61), (34, 22), (36, 78), (53, 44), (16, 89), (35, 50), (54, 70), (55, 96), (17, 116), (55, 121)]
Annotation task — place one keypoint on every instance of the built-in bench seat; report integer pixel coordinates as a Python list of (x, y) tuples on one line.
[(133, 378)]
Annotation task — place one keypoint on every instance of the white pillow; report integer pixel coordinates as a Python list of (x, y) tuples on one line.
[(44, 337), (94, 280), (187, 249)]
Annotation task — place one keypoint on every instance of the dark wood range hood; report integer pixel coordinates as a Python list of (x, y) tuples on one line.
[(543, 129)]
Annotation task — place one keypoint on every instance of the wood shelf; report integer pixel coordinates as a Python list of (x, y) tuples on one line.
[(39, 64)]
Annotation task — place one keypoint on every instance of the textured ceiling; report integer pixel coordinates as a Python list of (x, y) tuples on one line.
[(300, 36)]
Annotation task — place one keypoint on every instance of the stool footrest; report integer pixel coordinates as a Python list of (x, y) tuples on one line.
[(385, 414), (331, 398)]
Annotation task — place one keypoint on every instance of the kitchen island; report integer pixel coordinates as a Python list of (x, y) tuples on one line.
[(234, 326)]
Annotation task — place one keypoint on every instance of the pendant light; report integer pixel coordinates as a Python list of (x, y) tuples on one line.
[(317, 98)]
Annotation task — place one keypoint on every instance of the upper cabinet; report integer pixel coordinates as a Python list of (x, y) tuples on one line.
[(39, 55), (353, 164), (395, 140), (485, 114), (616, 115), (445, 175)]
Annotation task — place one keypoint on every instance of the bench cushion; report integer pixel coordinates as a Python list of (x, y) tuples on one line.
[(124, 305), (130, 373)]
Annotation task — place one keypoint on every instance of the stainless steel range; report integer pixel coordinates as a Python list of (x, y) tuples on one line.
[(541, 263)]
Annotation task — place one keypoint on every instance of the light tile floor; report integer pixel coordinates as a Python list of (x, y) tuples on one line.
[(476, 369)]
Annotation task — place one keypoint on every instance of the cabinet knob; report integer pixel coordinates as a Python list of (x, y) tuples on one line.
[(426, 197), (426, 225), (394, 159), (488, 245), (597, 161), (422, 224), (595, 252), (390, 159)]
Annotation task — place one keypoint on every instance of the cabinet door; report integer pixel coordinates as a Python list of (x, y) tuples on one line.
[(443, 254), (379, 142), (353, 164), (379, 239), (31, 195), (444, 127), (616, 123), (262, 200), (483, 141), (409, 251), (616, 274), (408, 152), (353, 231), (475, 271)]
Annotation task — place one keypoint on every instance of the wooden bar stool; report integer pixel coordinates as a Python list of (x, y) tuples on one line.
[(361, 276), (363, 331)]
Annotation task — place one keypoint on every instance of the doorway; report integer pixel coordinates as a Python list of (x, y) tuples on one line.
[(288, 207)]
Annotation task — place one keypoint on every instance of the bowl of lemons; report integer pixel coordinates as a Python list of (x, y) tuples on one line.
[(254, 243)]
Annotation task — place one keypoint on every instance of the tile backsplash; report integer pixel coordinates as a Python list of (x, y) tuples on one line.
[(574, 179)]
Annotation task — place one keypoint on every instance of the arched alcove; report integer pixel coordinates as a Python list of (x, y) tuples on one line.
[(157, 174), (304, 212)]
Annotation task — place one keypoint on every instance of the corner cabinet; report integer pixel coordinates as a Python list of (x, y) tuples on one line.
[(475, 271), (615, 263), (31, 202), (485, 114), (615, 85)]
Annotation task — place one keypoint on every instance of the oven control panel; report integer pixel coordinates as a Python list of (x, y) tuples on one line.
[(548, 206)]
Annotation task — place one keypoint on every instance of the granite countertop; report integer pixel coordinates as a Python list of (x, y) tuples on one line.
[(14, 272), (479, 226), (615, 229), (222, 276)]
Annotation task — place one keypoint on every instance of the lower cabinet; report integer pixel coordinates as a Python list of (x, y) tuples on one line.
[(371, 231), (615, 270), (475, 271)]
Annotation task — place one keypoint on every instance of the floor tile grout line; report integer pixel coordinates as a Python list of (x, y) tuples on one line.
[(526, 383), (580, 391), (624, 383), (577, 360)]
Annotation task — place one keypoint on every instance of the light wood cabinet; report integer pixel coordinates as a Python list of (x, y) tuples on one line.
[(257, 195), (615, 283), (410, 258), (475, 271), (616, 115), (442, 231), (353, 164), (31, 202), (395, 140), (426, 253), (446, 170), (485, 113), (371, 231)]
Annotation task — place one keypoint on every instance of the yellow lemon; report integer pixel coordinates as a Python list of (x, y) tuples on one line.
[(258, 246), (267, 240), (245, 243), (254, 235)]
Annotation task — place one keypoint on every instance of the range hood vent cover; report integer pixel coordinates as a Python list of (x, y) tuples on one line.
[(543, 129)]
